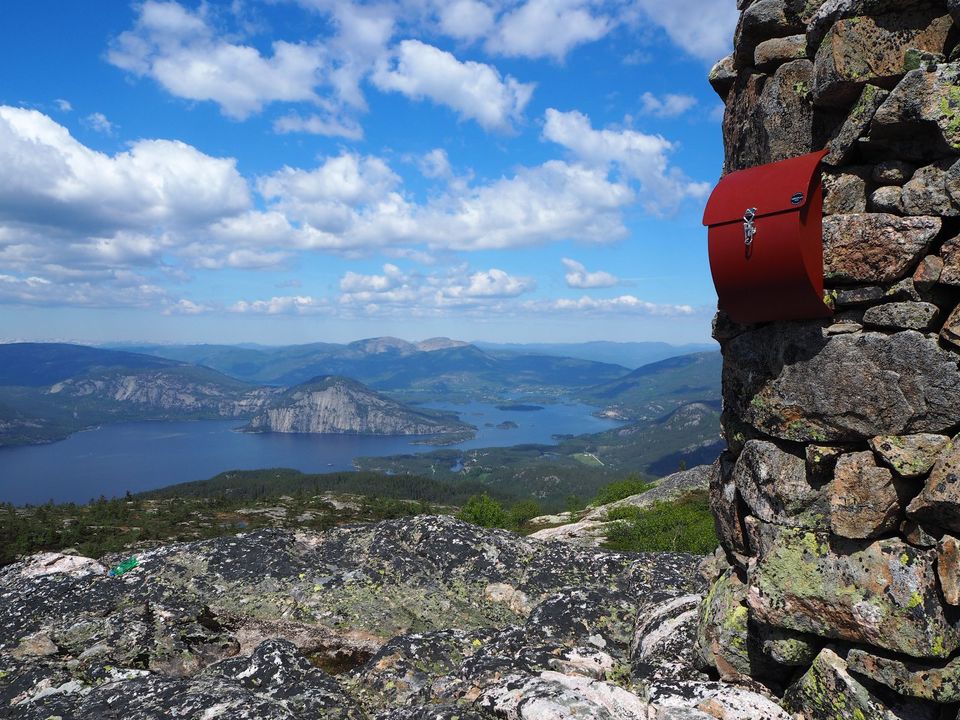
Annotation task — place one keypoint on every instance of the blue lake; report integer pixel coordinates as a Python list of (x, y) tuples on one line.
[(144, 455)]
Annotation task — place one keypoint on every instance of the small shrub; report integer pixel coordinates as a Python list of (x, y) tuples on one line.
[(523, 512), (621, 489), (626, 512), (484, 511), (683, 525)]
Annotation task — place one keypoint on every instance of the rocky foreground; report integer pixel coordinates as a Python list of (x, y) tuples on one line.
[(423, 617)]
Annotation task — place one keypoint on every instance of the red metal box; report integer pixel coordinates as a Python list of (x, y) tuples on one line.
[(766, 241)]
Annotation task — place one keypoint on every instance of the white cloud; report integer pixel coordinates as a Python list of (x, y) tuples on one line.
[(49, 179), (282, 305), (577, 276), (466, 19), (703, 28), (415, 292), (63, 105), (670, 105), (547, 28), (636, 155), (98, 121), (624, 304), (187, 307), (474, 90), (180, 51), (435, 164), (318, 125)]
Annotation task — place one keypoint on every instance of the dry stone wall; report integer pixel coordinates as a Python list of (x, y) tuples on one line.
[(838, 498)]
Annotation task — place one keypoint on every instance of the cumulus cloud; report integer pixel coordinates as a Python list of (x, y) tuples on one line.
[(466, 19), (635, 155), (180, 51), (435, 164), (282, 305), (670, 105), (548, 28), (474, 90), (703, 28), (413, 291), (63, 105), (577, 276)]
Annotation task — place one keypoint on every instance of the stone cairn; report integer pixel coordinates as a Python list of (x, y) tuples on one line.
[(838, 498)]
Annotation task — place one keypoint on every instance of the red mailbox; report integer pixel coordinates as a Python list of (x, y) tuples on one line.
[(766, 241)]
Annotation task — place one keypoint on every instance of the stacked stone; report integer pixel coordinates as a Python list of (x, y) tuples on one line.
[(838, 499)]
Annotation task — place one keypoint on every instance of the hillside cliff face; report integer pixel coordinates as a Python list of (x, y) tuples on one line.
[(340, 405), (836, 500), (178, 390)]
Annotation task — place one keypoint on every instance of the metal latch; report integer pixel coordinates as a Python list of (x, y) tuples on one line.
[(749, 229)]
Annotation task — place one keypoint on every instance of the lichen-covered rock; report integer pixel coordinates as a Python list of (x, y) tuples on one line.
[(920, 119), (881, 593), (910, 456), (863, 500), (872, 49), (555, 696), (874, 247), (948, 568), (938, 504), (926, 193), (788, 648), (887, 199), (774, 485), (937, 682), (828, 691), (84, 645), (724, 640), (787, 380), (770, 118), (843, 144), (902, 315)]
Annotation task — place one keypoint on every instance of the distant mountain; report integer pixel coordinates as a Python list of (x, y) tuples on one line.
[(341, 405), (628, 354), (438, 368), (651, 391), (48, 391), (39, 364)]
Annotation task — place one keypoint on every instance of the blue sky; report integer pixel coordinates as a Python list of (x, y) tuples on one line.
[(305, 170)]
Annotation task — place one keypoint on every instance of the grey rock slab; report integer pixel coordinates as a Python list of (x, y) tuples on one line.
[(921, 117), (790, 382), (902, 315), (775, 487), (910, 456), (664, 639), (887, 199), (882, 592), (724, 638), (845, 191), (863, 500), (928, 273), (776, 51), (927, 194), (874, 247), (762, 20), (722, 76), (851, 297), (843, 144), (950, 254), (937, 682), (938, 504), (950, 332), (725, 504)]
